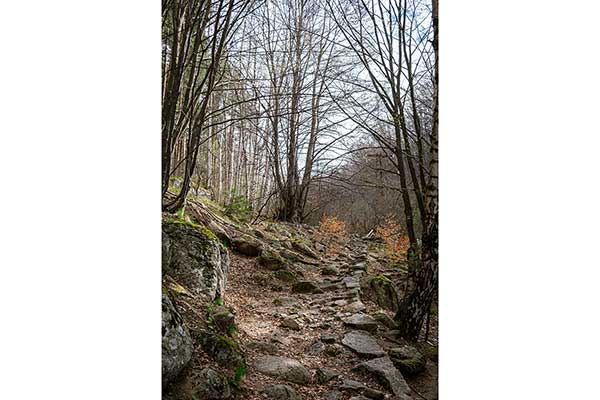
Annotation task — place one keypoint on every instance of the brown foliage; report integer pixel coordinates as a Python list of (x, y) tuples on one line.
[(396, 242), (333, 232)]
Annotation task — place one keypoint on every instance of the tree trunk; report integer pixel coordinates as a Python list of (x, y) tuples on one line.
[(415, 306)]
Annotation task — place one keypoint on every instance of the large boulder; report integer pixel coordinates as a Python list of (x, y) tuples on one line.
[(195, 258), (176, 341), (284, 368)]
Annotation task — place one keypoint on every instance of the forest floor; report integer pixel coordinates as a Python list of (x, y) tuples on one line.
[(262, 304)]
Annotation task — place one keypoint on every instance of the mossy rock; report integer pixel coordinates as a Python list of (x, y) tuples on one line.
[(408, 359), (306, 287), (247, 246), (285, 276), (222, 319), (303, 247), (223, 349), (384, 292), (429, 351), (272, 260), (211, 384)]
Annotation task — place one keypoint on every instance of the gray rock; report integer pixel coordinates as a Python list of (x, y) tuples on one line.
[(361, 266), (284, 368), (329, 339), (329, 286), (373, 394), (351, 282), (224, 350), (316, 348), (363, 344), (222, 319), (211, 385), (349, 385), (272, 260), (324, 375), (359, 397), (333, 395), (246, 246), (263, 347), (195, 259), (176, 341), (361, 321), (285, 301), (356, 306), (384, 292), (340, 303), (385, 372), (384, 319), (280, 392), (329, 270), (408, 359), (333, 349), (290, 323), (305, 287), (304, 249), (284, 275)]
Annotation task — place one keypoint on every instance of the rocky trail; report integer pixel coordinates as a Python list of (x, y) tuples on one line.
[(315, 327)]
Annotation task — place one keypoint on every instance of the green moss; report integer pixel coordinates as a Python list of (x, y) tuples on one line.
[(218, 301), (232, 330), (384, 279), (224, 341), (182, 222), (207, 233), (240, 374)]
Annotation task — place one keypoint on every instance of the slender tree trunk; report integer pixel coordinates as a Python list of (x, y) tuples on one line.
[(416, 304)]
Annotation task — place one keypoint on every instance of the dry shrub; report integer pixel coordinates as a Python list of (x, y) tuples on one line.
[(332, 231), (396, 242)]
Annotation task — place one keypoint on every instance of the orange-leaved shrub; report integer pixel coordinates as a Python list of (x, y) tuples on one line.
[(396, 243), (332, 231)]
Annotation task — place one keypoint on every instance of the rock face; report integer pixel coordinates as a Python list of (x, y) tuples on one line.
[(361, 321), (280, 392), (211, 385), (386, 373), (363, 344), (196, 259), (283, 368), (176, 341)]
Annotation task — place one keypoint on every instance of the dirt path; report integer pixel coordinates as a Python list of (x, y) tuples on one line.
[(263, 304)]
